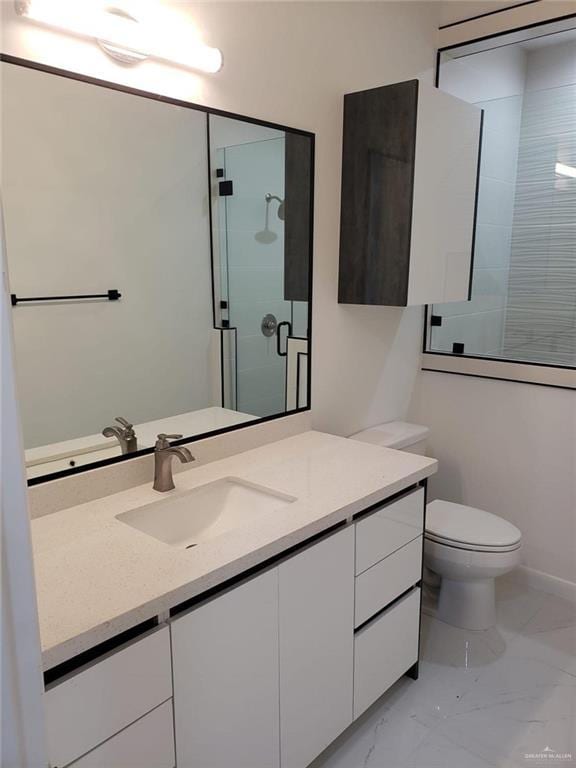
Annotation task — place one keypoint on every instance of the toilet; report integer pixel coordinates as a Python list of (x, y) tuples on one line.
[(467, 548)]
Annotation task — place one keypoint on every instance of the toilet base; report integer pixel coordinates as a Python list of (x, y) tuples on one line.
[(468, 604)]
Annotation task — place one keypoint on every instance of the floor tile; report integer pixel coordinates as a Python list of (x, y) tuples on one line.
[(504, 698)]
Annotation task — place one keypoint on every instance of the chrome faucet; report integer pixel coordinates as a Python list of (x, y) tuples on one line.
[(163, 453), (124, 434)]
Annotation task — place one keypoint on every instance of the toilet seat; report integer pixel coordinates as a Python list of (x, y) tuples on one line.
[(471, 547), (468, 528)]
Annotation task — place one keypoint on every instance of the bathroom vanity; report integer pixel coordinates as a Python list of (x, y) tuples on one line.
[(258, 645), (251, 615)]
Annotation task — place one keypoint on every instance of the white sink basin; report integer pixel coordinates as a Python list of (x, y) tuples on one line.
[(191, 517)]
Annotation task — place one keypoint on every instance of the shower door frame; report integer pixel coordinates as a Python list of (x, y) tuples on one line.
[(232, 331)]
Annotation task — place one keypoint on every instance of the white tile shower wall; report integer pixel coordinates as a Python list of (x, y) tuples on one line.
[(541, 314), (255, 269)]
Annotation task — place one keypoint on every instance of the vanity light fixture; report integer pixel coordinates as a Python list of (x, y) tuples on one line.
[(565, 170), (122, 35)]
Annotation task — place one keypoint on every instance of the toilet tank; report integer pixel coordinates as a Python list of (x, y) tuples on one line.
[(400, 435)]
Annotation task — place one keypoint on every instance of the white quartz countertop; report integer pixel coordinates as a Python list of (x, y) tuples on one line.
[(97, 576)]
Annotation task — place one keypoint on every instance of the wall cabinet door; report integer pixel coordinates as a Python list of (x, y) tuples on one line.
[(225, 662), (409, 173), (316, 589)]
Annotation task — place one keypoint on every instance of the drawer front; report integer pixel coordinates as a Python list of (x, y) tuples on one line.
[(384, 650), (382, 583), (389, 528), (93, 705), (147, 743)]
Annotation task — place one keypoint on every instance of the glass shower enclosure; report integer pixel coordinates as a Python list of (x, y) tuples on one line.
[(255, 301)]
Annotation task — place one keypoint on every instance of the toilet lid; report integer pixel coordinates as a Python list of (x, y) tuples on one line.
[(469, 527)]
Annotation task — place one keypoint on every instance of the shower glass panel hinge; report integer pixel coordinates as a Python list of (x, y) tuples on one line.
[(436, 320), (458, 348), (220, 173), (225, 188), (223, 305)]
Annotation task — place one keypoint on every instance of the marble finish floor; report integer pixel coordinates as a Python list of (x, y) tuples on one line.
[(502, 698)]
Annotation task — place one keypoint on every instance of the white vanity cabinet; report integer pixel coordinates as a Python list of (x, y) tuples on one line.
[(147, 743), (389, 544), (384, 649), (265, 672), (254, 667), (225, 665), (99, 710), (316, 647)]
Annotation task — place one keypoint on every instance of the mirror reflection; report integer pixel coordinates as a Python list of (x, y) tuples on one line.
[(127, 322), (261, 262)]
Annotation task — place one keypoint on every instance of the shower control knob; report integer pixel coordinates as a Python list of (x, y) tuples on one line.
[(268, 325)]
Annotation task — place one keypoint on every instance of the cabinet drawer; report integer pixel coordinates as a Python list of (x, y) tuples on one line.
[(147, 743), (94, 704), (382, 583), (389, 528), (384, 650)]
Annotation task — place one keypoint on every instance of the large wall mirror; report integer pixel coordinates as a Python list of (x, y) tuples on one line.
[(159, 258)]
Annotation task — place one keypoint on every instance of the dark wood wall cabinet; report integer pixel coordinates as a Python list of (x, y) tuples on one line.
[(409, 189)]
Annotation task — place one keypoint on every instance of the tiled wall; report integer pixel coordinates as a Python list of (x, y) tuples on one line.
[(541, 314), (524, 280)]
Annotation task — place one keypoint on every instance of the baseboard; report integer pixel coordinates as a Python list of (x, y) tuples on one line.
[(544, 582)]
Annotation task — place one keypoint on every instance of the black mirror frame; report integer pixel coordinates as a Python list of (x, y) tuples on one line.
[(7, 59)]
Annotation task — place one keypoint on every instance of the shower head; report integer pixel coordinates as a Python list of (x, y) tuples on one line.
[(266, 236), (281, 207)]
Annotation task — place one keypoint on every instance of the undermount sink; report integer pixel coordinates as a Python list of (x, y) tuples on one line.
[(191, 517)]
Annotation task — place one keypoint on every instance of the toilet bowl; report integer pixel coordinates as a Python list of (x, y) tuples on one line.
[(467, 548)]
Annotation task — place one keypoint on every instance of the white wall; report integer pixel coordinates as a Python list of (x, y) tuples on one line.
[(507, 447), (105, 190), (552, 66), (510, 449), (292, 63), (22, 741)]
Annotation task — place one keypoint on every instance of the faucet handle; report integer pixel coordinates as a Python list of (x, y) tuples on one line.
[(162, 441), (125, 423)]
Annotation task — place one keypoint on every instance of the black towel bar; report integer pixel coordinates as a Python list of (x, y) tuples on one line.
[(112, 295)]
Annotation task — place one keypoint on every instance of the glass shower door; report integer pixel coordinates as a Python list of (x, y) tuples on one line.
[(252, 269)]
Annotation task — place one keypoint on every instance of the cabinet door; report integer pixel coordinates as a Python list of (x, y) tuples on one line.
[(147, 743), (100, 700), (225, 662), (316, 647), (409, 173), (445, 177)]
